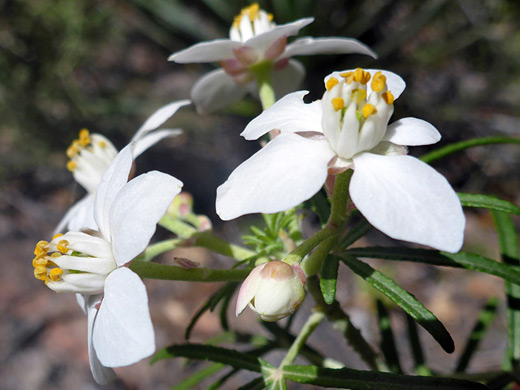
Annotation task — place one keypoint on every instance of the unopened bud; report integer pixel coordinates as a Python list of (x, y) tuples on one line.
[(274, 290), (181, 205)]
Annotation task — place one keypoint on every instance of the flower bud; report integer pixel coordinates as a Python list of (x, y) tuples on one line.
[(274, 290), (181, 205)]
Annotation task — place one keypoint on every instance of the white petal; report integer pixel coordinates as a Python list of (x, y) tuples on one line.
[(79, 216), (394, 82), (311, 46), (412, 132), (216, 90), (288, 79), (287, 171), (248, 289), (407, 200), (210, 51), (150, 139), (123, 332), (159, 117), (135, 213), (262, 41), (289, 115), (113, 180), (102, 375)]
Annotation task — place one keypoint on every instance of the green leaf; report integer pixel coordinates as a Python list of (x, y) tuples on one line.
[(510, 254), (477, 333), (358, 231), (370, 380), (420, 367), (273, 377), (320, 205), (458, 146), (488, 202), (329, 277), (403, 299), (190, 382), (255, 384), (458, 260), (387, 339), (212, 302), (226, 356)]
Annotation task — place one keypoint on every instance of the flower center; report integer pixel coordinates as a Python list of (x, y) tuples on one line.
[(251, 21), (75, 262), (355, 117), (89, 157)]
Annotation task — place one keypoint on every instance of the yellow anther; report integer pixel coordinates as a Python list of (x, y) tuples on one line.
[(250, 11), (331, 83), (348, 76), (368, 109), (378, 82), (270, 17), (359, 94), (41, 247), (72, 150), (71, 166), (84, 137), (40, 272), (62, 246), (55, 254), (361, 76), (57, 235), (338, 103), (388, 97), (41, 261), (55, 274), (102, 144)]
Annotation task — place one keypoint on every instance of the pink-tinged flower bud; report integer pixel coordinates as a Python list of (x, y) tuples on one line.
[(274, 290), (181, 205)]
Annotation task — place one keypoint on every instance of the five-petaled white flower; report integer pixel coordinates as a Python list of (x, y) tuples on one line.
[(398, 194), (91, 154), (256, 41), (92, 264)]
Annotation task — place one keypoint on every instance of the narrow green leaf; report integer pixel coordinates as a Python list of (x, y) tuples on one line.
[(387, 339), (510, 254), (403, 299), (477, 333), (458, 260), (488, 202), (329, 277), (226, 356), (255, 384), (190, 382), (458, 146), (222, 8), (358, 231), (420, 367), (211, 303), (370, 380)]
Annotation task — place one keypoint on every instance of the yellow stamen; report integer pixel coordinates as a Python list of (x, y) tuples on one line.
[(388, 97), (71, 166), (348, 76), (359, 94), (41, 261), (338, 103), (251, 11), (102, 144), (270, 17), (57, 235), (361, 76), (55, 274), (84, 137), (368, 109), (40, 272), (62, 246), (331, 83), (378, 82)]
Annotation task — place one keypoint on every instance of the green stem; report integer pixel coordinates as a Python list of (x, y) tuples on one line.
[(169, 272), (265, 88), (312, 323), (158, 248), (340, 198), (309, 244), (178, 227), (209, 241)]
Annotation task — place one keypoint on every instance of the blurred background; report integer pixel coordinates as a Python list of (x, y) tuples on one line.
[(102, 65)]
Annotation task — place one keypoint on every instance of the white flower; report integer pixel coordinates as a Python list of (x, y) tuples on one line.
[(91, 154), (92, 264), (274, 290), (398, 194), (256, 41)]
